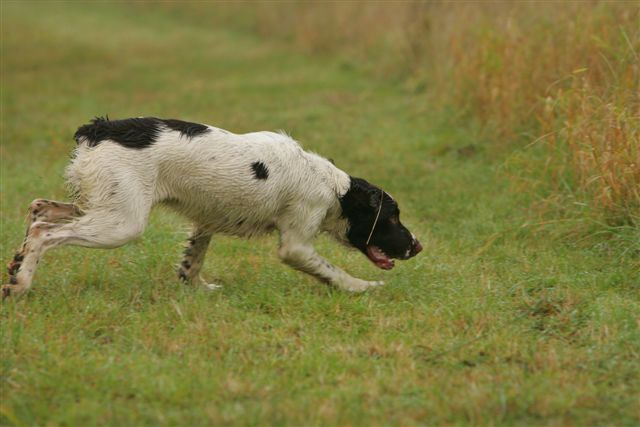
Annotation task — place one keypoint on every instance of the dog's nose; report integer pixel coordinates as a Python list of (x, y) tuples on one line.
[(417, 247)]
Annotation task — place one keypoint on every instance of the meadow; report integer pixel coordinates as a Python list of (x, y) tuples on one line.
[(523, 308)]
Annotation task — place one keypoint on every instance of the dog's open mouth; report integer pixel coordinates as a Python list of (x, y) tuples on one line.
[(379, 258)]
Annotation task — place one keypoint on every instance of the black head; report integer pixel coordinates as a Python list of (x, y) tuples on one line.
[(361, 204)]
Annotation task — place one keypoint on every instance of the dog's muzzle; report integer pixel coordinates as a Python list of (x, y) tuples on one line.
[(416, 248)]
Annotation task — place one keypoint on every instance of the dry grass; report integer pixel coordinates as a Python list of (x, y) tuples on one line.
[(566, 76), (596, 148), (563, 73)]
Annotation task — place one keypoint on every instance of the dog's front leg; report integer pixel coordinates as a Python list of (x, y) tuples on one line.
[(194, 253), (299, 253)]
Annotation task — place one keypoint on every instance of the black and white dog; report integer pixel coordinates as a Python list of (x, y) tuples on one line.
[(240, 185)]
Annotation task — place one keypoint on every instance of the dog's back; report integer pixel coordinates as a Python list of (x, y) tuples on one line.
[(237, 184)]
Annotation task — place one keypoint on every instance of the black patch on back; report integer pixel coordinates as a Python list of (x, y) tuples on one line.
[(132, 133), (260, 170), (187, 129), (136, 133)]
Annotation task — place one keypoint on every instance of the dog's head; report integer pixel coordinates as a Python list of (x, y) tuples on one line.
[(381, 239)]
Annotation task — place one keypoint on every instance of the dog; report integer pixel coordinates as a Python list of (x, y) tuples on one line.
[(234, 184)]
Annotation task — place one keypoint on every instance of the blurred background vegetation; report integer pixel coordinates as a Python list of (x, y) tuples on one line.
[(559, 79)]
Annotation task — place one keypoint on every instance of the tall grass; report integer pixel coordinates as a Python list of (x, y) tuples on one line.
[(593, 140), (562, 74), (566, 76)]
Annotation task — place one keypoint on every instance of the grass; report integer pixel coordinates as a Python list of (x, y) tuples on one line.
[(495, 323)]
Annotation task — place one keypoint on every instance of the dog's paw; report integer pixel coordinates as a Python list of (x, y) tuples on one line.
[(211, 286), (12, 290), (6, 291), (357, 285), (208, 286)]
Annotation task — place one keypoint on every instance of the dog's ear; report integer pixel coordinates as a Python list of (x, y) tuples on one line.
[(362, 194)]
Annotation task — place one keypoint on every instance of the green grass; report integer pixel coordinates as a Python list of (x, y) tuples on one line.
[(492, 324)]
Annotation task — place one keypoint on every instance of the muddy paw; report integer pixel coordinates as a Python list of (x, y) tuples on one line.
[(6, 291), (13, 289)]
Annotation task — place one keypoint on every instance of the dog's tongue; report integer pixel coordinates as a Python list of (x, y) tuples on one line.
[(379, 258)]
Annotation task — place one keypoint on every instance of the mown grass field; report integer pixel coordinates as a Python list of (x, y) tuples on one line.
[(493, 324)]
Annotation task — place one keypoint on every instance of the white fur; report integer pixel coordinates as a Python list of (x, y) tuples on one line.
[(209, 179)]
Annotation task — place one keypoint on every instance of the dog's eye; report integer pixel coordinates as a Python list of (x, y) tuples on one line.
[(394, 220)]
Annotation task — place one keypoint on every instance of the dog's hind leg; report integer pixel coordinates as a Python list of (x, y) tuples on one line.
[(49, 211), (194, 254), (52, 211), (104, 228)]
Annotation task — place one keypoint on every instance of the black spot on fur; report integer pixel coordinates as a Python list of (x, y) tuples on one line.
[(187, 129), (14, 265), (328, 265), (13, 270), (260, 170), (13, 280), (135, 133)]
